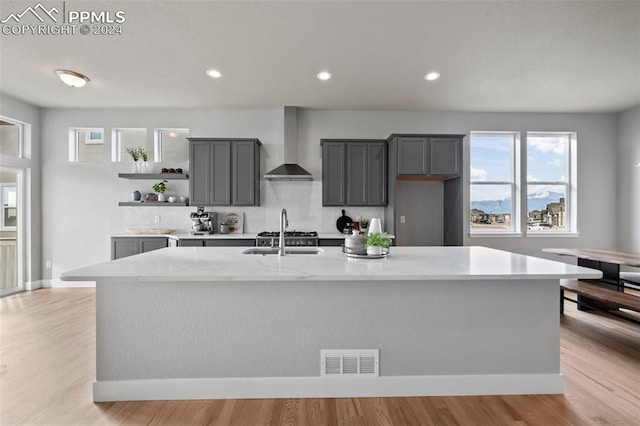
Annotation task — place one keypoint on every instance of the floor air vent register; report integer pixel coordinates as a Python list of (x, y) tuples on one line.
[(351, 362)]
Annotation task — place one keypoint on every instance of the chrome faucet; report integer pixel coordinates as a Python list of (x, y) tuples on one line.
[(284, 223)]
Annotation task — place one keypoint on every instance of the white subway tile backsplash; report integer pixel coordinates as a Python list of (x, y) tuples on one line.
[(303, 201)]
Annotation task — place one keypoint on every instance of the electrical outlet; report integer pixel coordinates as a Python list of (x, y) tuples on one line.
[(402, 219), (156, 219), (47, 264)]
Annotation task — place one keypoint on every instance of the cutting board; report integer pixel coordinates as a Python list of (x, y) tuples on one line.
[(235, 222)]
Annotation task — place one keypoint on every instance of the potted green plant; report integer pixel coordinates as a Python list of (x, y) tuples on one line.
[(364, 224), (376, 242), (139, 157), (144, 156), (160, 187)]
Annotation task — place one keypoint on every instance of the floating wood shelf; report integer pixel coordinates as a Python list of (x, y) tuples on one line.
[(150, 204), (167, 176)]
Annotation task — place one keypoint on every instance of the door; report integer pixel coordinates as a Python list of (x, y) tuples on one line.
[(412, 156), (357, 174), (244, 173), (221, 170), (419, 213), (11, 231), (333, 173), (445, 156), (200, 170)]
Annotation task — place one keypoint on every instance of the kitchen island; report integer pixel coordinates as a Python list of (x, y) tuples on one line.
[(208, 322)]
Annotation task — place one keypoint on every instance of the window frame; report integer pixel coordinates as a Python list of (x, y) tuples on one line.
[(21, 134), (3, 225), (514, 184), (74, 141), (116, 141), (570, 185), (157, 140)]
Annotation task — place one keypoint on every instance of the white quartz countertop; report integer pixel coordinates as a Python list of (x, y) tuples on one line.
[(245, 236), (403, 264), (189, 236)]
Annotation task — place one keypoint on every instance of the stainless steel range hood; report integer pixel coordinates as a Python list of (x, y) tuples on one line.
[(290, 170)]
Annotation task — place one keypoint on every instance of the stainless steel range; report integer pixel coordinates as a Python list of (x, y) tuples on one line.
[(291, 239)]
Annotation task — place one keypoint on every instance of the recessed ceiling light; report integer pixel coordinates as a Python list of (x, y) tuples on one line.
[(324, 75), (214, 73), (433, 75), (72, 78)]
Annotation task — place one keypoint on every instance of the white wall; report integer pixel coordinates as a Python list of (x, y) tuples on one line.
[(629, 180), (16, 109), (81, 199), (597, 159)]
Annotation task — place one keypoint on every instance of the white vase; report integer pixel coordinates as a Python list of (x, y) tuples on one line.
[(374, 250), (134, 167), (141, 166), (161, 197), (375, 227)]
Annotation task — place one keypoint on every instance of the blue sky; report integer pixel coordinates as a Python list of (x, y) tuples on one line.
[(491, 161)]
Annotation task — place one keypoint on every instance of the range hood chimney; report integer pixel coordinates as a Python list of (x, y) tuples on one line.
[(290, 170)]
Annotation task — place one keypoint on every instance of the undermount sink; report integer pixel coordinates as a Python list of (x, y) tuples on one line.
[(289, 250)]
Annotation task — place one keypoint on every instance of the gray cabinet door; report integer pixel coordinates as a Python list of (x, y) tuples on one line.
[(230, 242), (333, 174), (221, 173), (200, 179), (123, 247), (224, 172), (412, 156), (246, 179), (377, 174), (190, 243), (445, 156), (149, 244), (357, 174)]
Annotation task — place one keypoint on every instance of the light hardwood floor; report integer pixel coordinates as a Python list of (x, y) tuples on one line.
[(47, 366)]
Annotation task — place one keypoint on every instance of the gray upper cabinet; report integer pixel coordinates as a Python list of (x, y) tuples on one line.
[(445, 156), (429, 156), (354, 172), (377, 173), (224, 172), (246, 173), (413, 156), (357, 178), (333, 173)]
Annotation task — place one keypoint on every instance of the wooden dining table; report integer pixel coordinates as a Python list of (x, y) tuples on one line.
[(607, 261)]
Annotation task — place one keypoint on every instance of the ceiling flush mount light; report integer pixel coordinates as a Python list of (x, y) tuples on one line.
[(213, 73), (324, 75), (433, 75), (72, 78)]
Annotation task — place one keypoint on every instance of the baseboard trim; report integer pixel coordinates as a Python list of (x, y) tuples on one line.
[(316, 387), (57, 283), (34, 285)]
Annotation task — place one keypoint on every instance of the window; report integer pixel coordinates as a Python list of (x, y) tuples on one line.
[(128, 138), (171, 145), (494, 191), (551, 190), (9, 203), (86, 144), (10, 138)]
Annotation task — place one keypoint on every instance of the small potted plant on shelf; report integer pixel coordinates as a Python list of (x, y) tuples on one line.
[(376, 242), (143, 165), (364, 224), (139, 157), (160, 187)]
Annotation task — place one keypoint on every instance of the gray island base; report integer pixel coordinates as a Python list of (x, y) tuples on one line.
[(210, 323)]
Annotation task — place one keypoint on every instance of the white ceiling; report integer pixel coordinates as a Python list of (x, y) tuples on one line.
[(525, 56)]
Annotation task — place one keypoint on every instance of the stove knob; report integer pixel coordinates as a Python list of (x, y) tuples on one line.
[(309, 243)]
